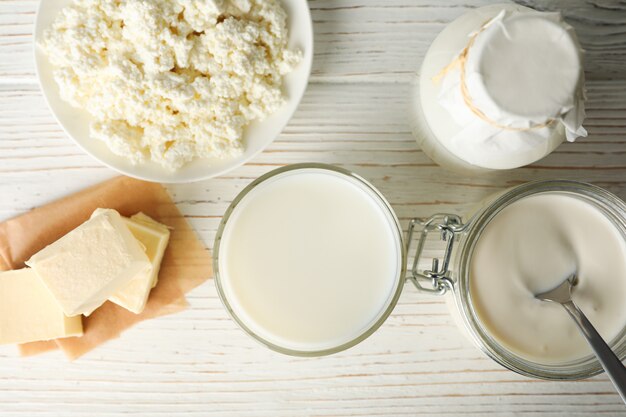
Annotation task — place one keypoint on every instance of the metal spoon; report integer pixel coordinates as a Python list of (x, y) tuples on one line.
[(611, 364)]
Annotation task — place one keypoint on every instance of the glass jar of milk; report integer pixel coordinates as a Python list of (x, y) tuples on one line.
[(500, 87), (310, 260)]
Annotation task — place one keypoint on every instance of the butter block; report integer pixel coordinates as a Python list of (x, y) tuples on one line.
[(154, 237), (163, 231), (89, 264), (29, 312)]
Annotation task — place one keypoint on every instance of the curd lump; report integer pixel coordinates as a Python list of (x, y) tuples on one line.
[(171, 80)]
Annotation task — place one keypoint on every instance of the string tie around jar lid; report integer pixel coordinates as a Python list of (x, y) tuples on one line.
[(461, 60)]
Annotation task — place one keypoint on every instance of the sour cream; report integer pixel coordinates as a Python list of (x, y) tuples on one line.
[(531, 246)]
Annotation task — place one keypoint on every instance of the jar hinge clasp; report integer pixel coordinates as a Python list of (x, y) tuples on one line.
[(448, 225)]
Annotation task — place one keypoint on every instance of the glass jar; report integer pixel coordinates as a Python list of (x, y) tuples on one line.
[(449, 273), (438, 118), (240, 315)]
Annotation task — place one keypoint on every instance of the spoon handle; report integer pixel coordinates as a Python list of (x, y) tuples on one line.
[(611, 363)]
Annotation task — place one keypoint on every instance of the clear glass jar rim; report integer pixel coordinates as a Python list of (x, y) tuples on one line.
[(400, 279)]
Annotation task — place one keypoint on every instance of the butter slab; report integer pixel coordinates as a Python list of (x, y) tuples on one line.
[(89, 264), (158, 227), (154, 237), (29, 312)]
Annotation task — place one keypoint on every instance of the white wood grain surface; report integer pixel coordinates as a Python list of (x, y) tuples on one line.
[(354, 114)]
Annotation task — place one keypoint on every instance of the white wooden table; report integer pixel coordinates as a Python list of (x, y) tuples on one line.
[(354, 114)]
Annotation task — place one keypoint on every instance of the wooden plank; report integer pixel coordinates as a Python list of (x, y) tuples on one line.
[(359, 126), (362, 40), (199, 362)]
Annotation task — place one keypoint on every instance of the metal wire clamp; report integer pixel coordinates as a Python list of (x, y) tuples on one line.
[(448, 225)]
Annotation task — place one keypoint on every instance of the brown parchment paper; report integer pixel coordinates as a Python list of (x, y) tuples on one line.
[(186, 263)]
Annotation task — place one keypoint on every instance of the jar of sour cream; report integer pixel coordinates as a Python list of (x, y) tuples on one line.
[(521, 242), (310, 259)]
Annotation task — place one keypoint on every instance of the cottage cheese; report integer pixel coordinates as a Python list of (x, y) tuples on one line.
[(171, 80)]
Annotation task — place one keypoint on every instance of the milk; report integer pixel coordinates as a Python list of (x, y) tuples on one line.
[(530, 247), (310, 259), (523, 72)]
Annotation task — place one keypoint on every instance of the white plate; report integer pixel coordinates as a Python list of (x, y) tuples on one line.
[(258, 135)]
